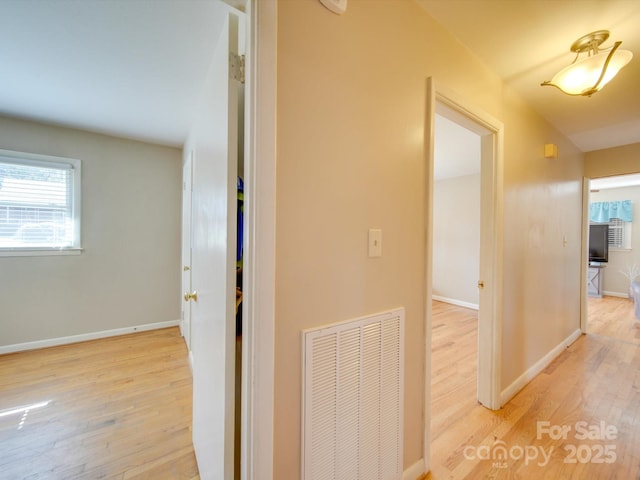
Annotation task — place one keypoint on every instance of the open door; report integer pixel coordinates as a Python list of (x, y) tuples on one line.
[(213, 141)]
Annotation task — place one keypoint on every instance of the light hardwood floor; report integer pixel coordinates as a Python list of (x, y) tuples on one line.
[(597, 379), (613, 317), (120, 408), (116, 408)]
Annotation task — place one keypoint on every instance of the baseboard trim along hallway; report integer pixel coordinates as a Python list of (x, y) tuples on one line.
[(509, 392)]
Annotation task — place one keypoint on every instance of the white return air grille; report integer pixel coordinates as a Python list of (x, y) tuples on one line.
[(353, 399)]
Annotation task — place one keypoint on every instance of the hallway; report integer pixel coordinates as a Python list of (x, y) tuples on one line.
[(591, 390)]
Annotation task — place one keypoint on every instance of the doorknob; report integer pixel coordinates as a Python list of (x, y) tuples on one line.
[(480, 284), (185, 268), (191, 296)]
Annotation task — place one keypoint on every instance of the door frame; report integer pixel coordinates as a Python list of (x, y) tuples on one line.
[(258, 305), (584, 262), (490, 323)]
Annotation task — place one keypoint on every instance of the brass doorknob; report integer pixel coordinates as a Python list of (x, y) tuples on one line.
[(191, 296), (480, 284)]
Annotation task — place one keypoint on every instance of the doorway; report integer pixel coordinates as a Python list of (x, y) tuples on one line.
[(612, 264), (456, 270), (489, 293)]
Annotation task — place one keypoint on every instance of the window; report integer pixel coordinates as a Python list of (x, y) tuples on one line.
[(618, 214), (619, 233), (39, 204)]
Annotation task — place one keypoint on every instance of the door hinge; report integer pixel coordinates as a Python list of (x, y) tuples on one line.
[(236, 67)]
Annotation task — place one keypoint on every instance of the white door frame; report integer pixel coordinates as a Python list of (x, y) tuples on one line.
[(259, 260), (489, 327), (584, 310)]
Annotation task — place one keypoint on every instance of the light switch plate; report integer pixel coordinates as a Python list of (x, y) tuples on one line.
[(375, 242)]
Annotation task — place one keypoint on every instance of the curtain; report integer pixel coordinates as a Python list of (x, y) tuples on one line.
[(603, 212)]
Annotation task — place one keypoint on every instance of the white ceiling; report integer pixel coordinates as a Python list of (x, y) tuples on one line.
[(127, 68), (527, 41), (632, 180)]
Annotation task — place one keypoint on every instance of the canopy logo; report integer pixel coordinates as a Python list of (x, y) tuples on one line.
[(499, 452)]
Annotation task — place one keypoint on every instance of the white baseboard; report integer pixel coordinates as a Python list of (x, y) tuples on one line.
[(453, 301), (616, 294), (52, 342), (415, 471), (509, 392)]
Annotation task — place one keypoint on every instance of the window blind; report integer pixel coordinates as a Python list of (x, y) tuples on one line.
[(36, 204), (616, 233)]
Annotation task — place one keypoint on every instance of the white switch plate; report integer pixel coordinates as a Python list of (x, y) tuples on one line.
[(375, 242)]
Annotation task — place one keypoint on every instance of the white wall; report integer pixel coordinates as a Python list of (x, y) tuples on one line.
[(614, 282), (456, 238), (129, 271)]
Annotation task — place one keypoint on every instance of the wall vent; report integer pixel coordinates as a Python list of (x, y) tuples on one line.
[(353, 399)]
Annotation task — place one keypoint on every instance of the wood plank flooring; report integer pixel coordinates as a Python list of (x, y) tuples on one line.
[(116, 408), (455, 363), (613, 317), (595, 380), (120, 408)]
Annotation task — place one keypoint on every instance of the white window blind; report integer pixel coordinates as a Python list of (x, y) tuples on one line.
[(39, 202), (616, 233), (619, 233)]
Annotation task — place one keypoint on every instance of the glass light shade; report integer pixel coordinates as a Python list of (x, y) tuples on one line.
[(580, 77)]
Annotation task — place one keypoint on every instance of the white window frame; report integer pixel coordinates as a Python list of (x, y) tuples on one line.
[(22, 158)]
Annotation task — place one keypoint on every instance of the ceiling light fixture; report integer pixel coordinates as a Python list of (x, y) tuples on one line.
[(586, 76)]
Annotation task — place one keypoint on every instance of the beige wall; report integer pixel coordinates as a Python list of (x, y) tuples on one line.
[(456, 238), (621, 260), (351, 156), (129, 271), (612, 161), (542, 241)]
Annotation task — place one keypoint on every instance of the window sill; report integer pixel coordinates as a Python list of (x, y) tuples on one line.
[(38, 252)]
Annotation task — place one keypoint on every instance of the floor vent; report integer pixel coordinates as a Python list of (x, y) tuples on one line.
[(353, 399)]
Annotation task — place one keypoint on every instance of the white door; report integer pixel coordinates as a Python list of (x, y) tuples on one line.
[(213, 241), (187, 184)]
